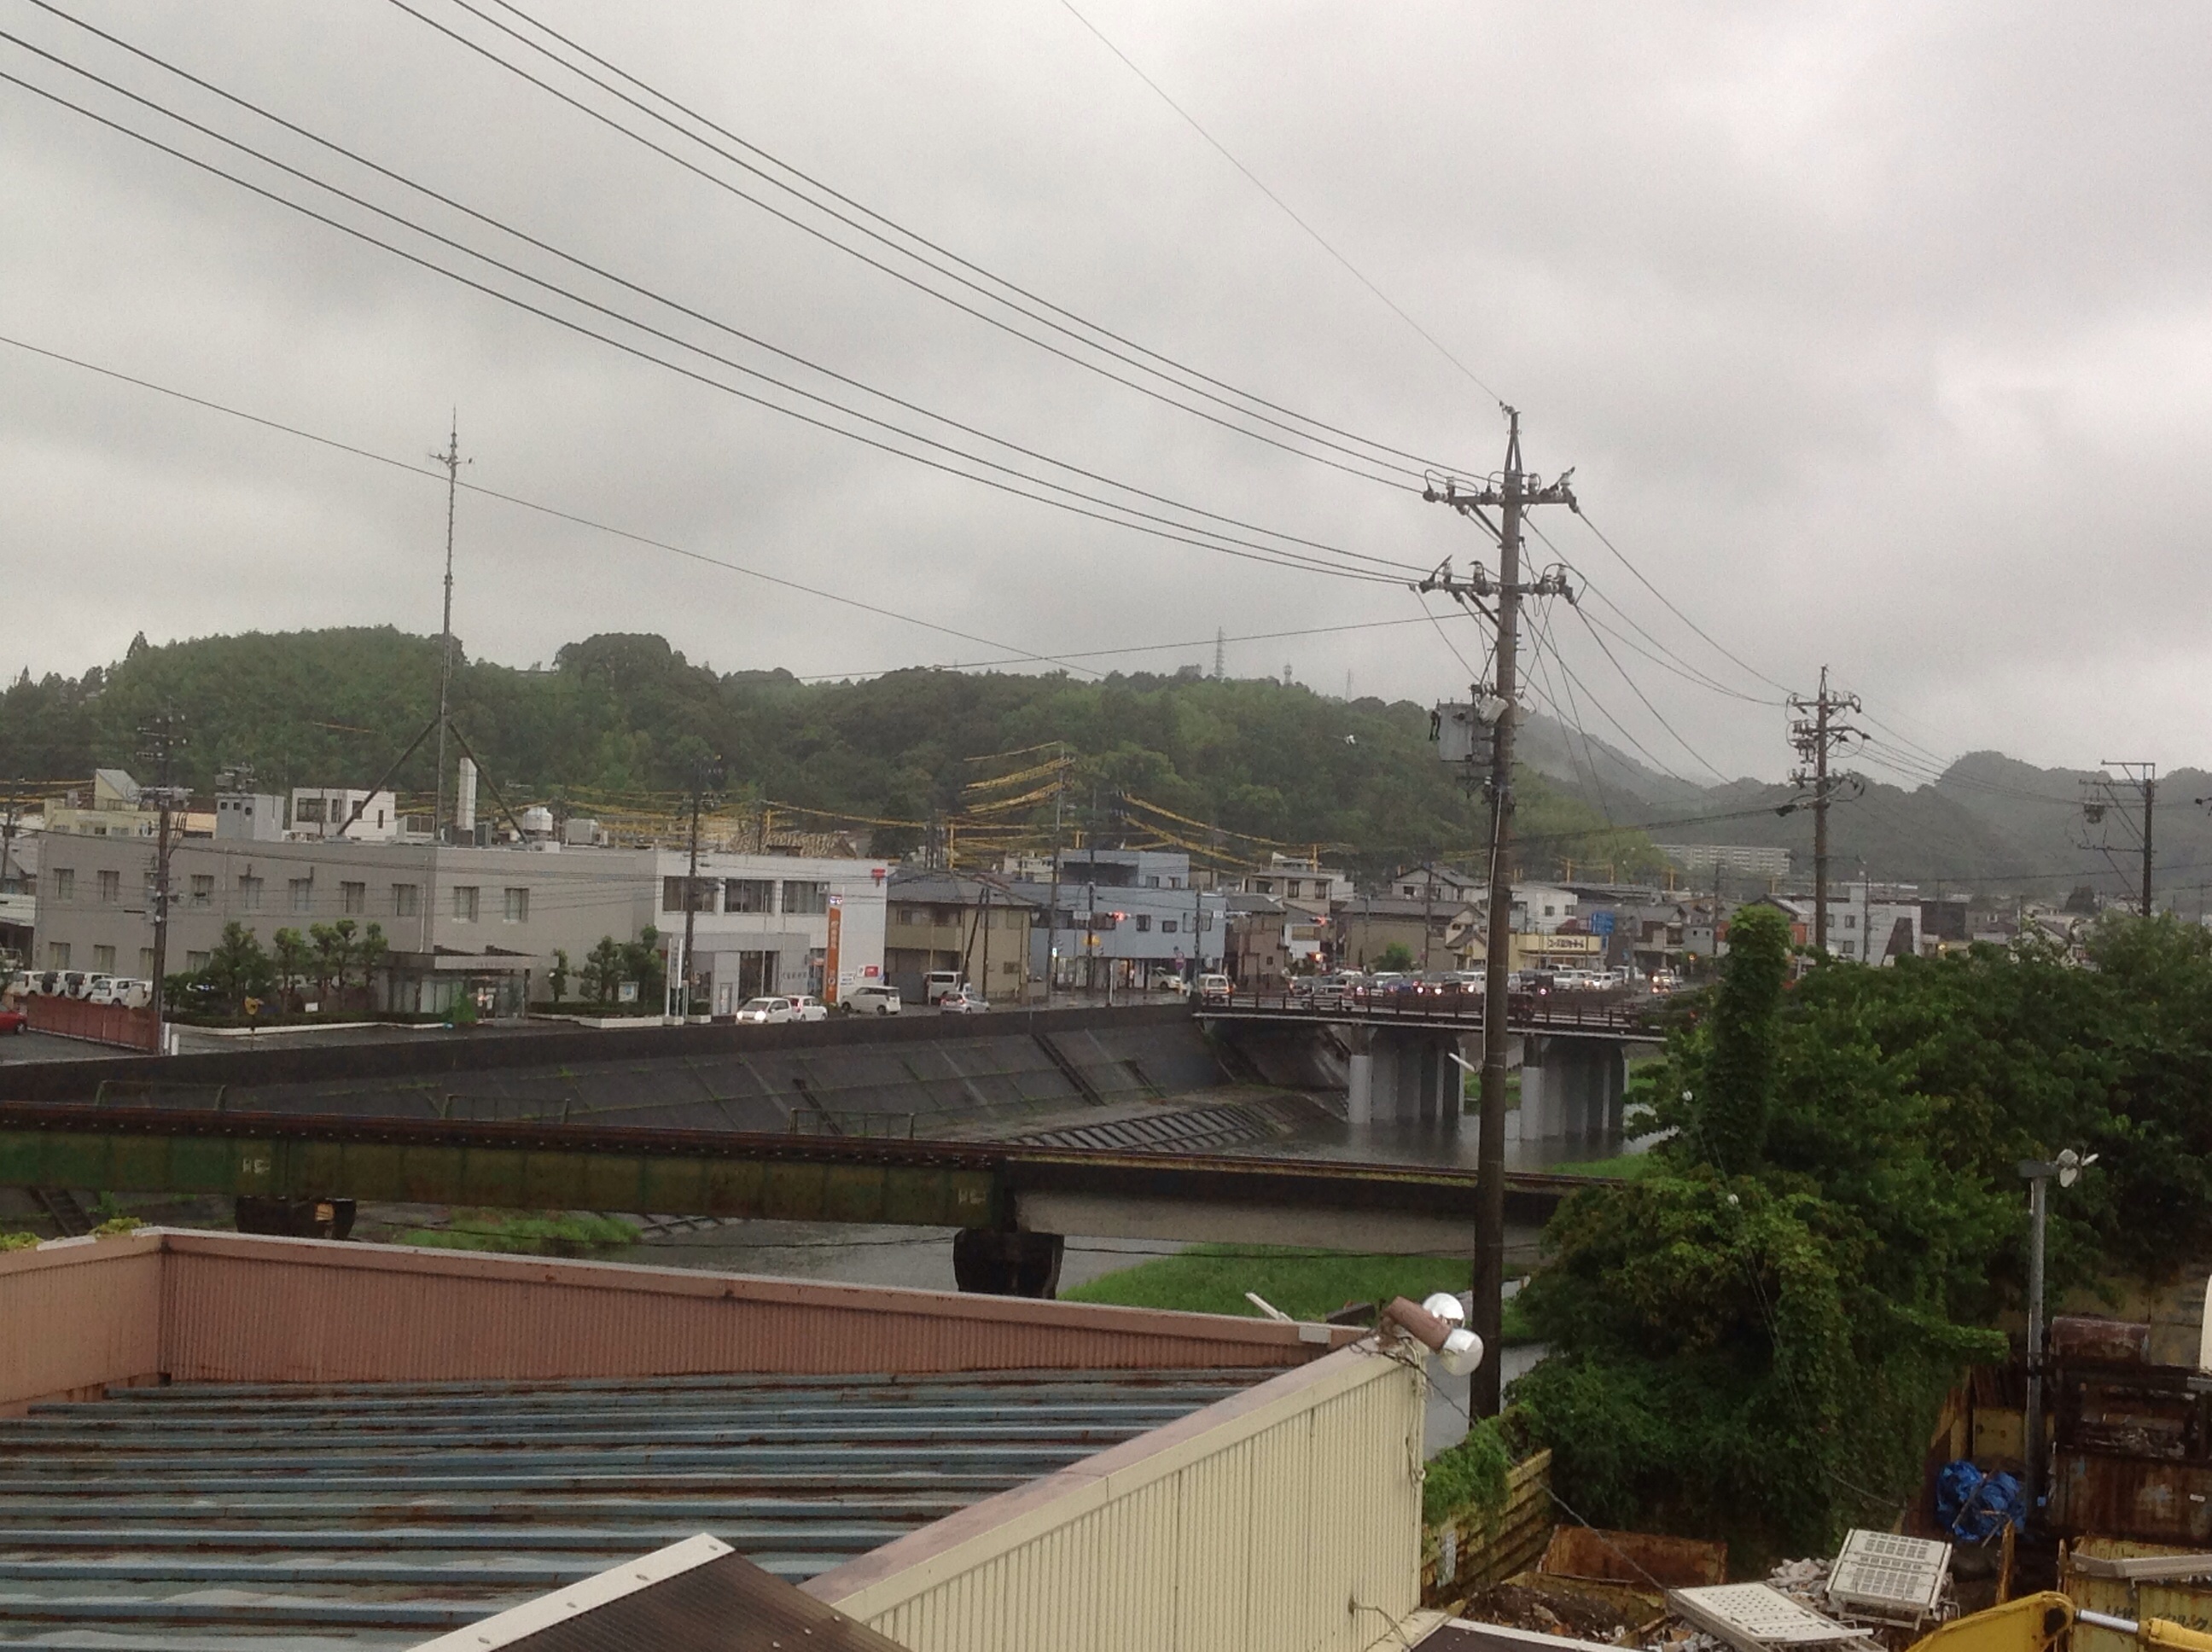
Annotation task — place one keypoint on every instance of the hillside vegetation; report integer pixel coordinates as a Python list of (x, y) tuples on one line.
[(628, 717)]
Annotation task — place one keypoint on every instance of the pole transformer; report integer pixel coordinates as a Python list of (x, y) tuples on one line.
[(1510, 493)]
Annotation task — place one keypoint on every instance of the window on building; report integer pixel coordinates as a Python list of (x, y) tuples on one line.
[(145, 963), (103, 960), (800, 896), (194, 961), (464, 903), (58, 954), (1105, 920), (1144, 923), (1016, 919), (406, 900), (1166, 926), (203, 889), (749, 894), (672, 895), (353, 897), (249, 892), (302, 893), (64, 883), (1850, 921), (110, 887), (306, 811), (517, 908)]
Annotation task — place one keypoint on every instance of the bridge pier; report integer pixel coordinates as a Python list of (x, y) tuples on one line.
[(1401, 1075), (1571, 1088), (1003, 1262)]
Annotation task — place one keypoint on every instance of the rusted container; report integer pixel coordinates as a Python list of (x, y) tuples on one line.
[(1642, 1559), (2081, 1340)]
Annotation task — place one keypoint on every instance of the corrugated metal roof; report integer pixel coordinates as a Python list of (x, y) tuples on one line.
[(316, 1517)]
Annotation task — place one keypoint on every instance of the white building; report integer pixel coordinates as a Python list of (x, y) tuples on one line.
[(324, 811), (773, 923)]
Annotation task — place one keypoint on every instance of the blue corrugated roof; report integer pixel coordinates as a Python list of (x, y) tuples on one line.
[(316, 1518)]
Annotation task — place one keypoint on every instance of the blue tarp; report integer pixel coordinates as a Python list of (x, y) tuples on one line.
[(1974, 1506)]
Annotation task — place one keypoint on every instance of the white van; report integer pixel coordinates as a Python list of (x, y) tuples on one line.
[(940, 984), (872, 999), (1214, 989)]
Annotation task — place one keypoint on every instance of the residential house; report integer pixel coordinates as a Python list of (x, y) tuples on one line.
[(977, 926)]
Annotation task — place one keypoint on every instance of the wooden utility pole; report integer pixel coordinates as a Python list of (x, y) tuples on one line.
[(1510, 494), (161, 740), (1815, 734), (2143, 778)]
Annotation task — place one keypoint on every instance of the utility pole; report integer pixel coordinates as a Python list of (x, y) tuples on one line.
[(1510, 495), (2143, 778), (700, 776), (1052, 918), (161, 740), (1220, 654), (1815, 734), (451, 459)]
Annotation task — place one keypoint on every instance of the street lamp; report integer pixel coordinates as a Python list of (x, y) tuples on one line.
[(2038, 1174)]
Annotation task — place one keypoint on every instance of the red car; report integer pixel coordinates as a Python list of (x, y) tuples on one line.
[(13, 1021)]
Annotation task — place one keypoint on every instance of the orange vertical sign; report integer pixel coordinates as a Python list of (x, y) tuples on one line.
[(830, 950)]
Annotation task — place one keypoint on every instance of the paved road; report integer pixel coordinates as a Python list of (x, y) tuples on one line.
[(47, 1046)]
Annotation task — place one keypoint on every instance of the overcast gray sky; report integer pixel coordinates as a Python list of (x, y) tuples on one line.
[(1878, 335)]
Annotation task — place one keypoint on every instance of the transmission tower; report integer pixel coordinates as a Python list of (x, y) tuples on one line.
[(2101, 795), (1816, 734), (1497, 601)]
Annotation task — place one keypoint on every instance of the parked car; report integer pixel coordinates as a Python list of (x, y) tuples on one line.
[(804, 1008), (1214, 989), (937, 983), (963, 1002), (871, 1000), (13, 1021), (111, 989), (132, 994), (760, 1011), (45, 983), (75, 983)]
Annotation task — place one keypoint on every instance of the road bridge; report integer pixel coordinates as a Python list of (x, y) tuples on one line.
[(1398, 1049), (1012, 1202)]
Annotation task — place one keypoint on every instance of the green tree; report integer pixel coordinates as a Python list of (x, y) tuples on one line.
[(238, 968), (370, 953), (643, 962), (1397, 956), (1732, 1105), (603, 970), (329, 958), (289, 953)]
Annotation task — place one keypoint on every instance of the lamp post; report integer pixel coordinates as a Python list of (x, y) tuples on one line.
[(2038, 1174)]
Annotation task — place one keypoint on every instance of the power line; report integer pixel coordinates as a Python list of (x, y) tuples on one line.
[(904, 241), (1253, 178), (1622, 557), (1218, 639), (1655, 711), (1058, 494), (553, 511)]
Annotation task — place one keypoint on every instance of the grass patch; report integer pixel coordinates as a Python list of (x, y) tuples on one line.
[(545, 1235), (18, 1241), (1304, 1283), (1621, 1164)]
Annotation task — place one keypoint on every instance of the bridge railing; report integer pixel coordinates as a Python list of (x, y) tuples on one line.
[(1593, 1010)]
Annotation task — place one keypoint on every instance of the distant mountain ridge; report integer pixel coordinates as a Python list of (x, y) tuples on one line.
[(1989, 822)]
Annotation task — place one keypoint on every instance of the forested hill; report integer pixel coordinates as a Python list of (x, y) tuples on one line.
[(627, 716)]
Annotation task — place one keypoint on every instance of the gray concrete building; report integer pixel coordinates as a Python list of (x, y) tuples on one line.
[(486, 921)]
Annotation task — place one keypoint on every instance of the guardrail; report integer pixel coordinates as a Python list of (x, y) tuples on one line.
[(1592, 1011)]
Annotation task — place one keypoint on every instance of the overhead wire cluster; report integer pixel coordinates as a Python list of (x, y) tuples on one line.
[(352, 194)]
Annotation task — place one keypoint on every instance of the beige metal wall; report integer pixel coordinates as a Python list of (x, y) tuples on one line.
[(1286, 1519), (77, 1316)]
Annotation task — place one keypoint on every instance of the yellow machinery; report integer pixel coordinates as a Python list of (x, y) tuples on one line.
[(2039, 1623)]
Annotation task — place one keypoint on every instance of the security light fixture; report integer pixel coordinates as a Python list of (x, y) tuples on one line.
[(1458, 1350)]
